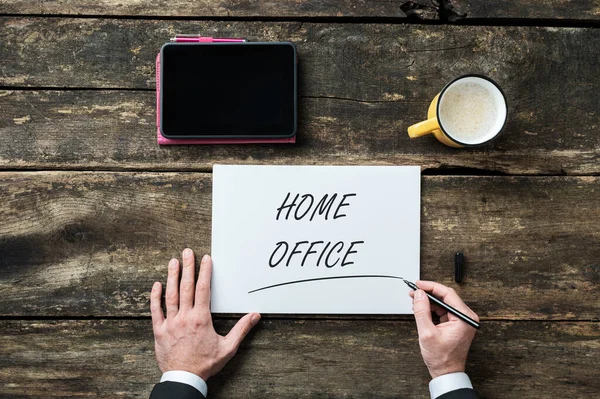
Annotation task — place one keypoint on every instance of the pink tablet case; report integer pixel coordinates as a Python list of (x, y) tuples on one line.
[(165, 141)]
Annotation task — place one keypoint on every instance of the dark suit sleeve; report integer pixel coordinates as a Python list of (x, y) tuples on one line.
[(465, 393), (175, 390)]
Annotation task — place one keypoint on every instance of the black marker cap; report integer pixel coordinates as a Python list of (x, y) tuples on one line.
[(458, 267)]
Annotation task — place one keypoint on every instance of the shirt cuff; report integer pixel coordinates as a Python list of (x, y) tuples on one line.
[(448, 383), (185, 377)]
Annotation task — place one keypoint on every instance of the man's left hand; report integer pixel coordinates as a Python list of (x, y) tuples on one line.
[(186, 339)]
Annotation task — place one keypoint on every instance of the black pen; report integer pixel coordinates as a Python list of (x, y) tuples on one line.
[(449, 308)]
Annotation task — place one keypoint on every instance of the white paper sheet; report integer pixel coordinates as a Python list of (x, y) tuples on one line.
[(379, 212)]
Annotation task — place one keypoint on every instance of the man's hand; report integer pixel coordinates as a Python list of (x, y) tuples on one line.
[(186, 339), (445, 346)]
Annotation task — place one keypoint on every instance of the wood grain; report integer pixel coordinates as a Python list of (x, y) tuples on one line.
[(536, 9), (424, 9), (298, 358), (92, 244), (111, 130), (451, 10)]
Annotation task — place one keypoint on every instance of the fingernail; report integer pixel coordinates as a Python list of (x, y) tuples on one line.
[(173, 263), (156, 285), (255, 318), (205, 258), (419, 295), (187, 253)]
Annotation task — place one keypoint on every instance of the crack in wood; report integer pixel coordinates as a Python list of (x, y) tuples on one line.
[(366, 101)]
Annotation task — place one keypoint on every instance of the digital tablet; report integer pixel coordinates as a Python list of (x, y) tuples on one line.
[(228, 90)]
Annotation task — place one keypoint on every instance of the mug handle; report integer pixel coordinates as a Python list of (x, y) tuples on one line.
[(423, 128)]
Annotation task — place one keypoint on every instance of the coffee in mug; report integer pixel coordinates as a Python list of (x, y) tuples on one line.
[(470, 110)]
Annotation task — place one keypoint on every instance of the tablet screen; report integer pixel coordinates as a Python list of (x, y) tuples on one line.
[(228, 90)]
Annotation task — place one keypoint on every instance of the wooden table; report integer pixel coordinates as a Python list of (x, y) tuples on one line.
[(92, 208)]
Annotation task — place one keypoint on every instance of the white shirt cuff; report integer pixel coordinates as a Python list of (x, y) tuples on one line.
[(185, 377), (448, 383)]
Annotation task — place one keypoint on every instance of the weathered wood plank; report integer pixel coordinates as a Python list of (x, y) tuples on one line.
[(79, 244), (425, 9), (369, 62), (116, 130), (361, 87), (533, 9), (300, 359)]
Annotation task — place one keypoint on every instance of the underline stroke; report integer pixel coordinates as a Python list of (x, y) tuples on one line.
[(323, 278)]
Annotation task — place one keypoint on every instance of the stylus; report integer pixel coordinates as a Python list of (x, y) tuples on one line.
[(204, 39)]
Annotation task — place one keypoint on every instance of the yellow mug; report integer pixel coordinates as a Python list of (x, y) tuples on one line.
[(469, 111)]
